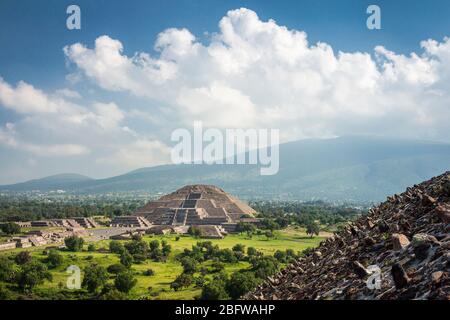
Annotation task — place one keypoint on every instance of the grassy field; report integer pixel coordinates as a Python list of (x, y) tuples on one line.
[(158, 285)]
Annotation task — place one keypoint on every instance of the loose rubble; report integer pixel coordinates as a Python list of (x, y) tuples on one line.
[(405, 239)]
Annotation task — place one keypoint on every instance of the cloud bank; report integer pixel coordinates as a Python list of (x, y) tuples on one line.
[(260, 74)]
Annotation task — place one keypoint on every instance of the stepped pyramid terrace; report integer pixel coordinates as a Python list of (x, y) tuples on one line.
[(198, 205)]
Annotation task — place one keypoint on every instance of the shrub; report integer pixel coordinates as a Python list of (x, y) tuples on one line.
[(251, 251), (149, 272), (240, 283), (94, 277), (239, 251), (269, 234), (54, 259), (154, 244), (280, 256), (5, 293), (116, 247), (125, 281), (214, 290), (199, 282), (189, 265), (183, 280), (137, 247), (7, 270), (110, 292), (32, 274), (290, 255), (116, 268), (245, 227), (23, 257), (264, 266), (139, 258), (126, 259), (10, 228), (166, 249), (312, 229), (74, 243), (217, 266), (91, 247), (227, 255)]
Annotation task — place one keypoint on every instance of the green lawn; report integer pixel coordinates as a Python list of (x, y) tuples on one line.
[(158, 285)]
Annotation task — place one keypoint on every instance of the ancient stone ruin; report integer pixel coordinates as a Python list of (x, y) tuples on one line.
[(400, 250), (130, 221), (198, 205)]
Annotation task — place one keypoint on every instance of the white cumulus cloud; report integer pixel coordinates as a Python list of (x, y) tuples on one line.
[(256, 73)]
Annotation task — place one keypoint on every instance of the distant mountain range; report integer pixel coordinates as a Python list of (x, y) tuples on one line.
[(357, 169)]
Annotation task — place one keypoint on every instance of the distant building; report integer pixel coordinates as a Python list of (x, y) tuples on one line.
[(43, 223), (23, 224), (211, 232), (7, 246), (87, 223), (130, 221)]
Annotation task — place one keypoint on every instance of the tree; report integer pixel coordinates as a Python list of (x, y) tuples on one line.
[(109, 292), (126, 259), (23, 257), (240, 283), (116, 268), (217, 266), (5, 293), (183, 280), (91, 247), (125, 281), (32, 274), (199, 282), (246, 227), (189, 265), (54, 259), (280, 256), (149, 272), (283, 222), (290, 255), (214, 290), (10, 228), (166, 249), (251, 252), (116, 247), (269, 234), (269, 224), (74, 243), (154, 244), (137, 247), (264, 266), (312, 229), (239, 248), (94, 277), (227, 255), (7, 270), (239, 251)]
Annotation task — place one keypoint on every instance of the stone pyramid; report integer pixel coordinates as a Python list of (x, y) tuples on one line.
[(198, 205)]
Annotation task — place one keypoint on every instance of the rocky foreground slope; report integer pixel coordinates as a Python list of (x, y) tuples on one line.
[(400, 250)]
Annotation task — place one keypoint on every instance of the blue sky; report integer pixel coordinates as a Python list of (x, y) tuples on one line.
[(33, 35)]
